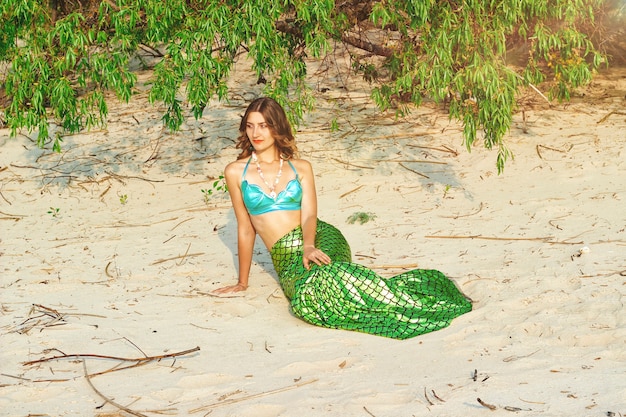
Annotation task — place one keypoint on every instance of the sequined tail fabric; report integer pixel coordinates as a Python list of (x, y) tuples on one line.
[(346, 295)]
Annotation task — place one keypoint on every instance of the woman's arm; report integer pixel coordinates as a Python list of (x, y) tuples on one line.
[(308, 217), (246, 234)]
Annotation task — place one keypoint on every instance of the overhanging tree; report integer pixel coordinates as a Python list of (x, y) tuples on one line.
[(63, 56)]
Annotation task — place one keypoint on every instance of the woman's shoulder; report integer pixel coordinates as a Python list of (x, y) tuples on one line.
[(235, 168), (302, 165)]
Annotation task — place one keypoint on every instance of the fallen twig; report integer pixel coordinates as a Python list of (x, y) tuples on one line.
[(547, 239), (443, 148), (437, 397), (252, 396), (120, 178), (368, 411), (350, 192), (609, 114), (187, 255), (412, 161), (107, 399), (92, 355), (353, 165), (549, 148), (184, 256), (11, 216), (53, 318), (480, 208), (426, 396), (414, 171), (484, 404)]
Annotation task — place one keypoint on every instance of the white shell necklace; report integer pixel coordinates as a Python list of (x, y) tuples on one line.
[(271, 187)]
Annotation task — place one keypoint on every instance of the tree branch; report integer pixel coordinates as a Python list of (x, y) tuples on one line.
[(287, 26)]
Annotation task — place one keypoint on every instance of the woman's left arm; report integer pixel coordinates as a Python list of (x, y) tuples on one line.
[(308, 217)]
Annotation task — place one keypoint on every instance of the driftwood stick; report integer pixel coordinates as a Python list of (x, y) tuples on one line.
[(416, 161), (609, 114), (484, 404), (160, 261), (121, 178), (107, 399), (480, 208), (350, 192), (547, 239), (118, 368), (368, 411), (426, 396), (252, 396), (91, 355), (348, 163), (414, 171), (444, 148)]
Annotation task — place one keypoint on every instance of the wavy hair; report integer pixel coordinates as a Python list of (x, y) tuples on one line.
[(277, 122)]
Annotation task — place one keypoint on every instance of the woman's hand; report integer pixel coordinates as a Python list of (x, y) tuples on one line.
[(230, 289), (313, 254)]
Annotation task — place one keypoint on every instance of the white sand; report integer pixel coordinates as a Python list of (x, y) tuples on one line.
[(547, 335)]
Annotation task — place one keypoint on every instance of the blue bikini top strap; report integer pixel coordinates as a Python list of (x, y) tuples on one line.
[(292, 167), (243, 176)]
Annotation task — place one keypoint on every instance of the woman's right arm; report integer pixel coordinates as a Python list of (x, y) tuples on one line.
[(246, 234)]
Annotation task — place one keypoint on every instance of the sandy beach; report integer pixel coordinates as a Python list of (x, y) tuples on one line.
[(109, 249)]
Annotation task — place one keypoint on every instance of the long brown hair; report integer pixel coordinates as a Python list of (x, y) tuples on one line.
[(278, 124)]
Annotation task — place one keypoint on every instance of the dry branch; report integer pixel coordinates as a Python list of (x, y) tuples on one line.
[(107, 399), (252, 396), (443, 148), (92, 355), (368, 411), (187, 255), (350, 192), (609, 114), (414, 171), (349, 164), (484, 404), (480, 208), (547, 239)]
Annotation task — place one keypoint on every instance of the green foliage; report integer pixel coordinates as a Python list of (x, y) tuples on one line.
[(455, 52), (361, 217), (218, 185), (67, 57), (54, 212)]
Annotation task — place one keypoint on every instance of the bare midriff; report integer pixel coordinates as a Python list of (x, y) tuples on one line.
[(275, 224)]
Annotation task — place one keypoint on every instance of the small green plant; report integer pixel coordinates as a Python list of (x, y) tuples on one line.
[(207, 195), (334, 125), (445, 190), (54, 212), (218, 185), (124, 199), (361, 217)]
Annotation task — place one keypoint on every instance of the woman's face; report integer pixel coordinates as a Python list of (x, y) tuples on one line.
[(258, 132)]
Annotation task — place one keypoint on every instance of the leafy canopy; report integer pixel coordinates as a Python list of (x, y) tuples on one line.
[(64, 56)]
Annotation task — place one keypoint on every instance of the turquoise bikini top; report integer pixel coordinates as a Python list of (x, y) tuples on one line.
[(258, 202)]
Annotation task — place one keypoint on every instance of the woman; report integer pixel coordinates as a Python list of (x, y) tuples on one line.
[(273, 195)]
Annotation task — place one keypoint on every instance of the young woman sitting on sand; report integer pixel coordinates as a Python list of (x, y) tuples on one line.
[(273, 195)]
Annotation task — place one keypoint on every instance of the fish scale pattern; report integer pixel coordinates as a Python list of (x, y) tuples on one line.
[(350, 296)]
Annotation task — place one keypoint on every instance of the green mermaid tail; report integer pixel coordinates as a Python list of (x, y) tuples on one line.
[(345, 295)]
